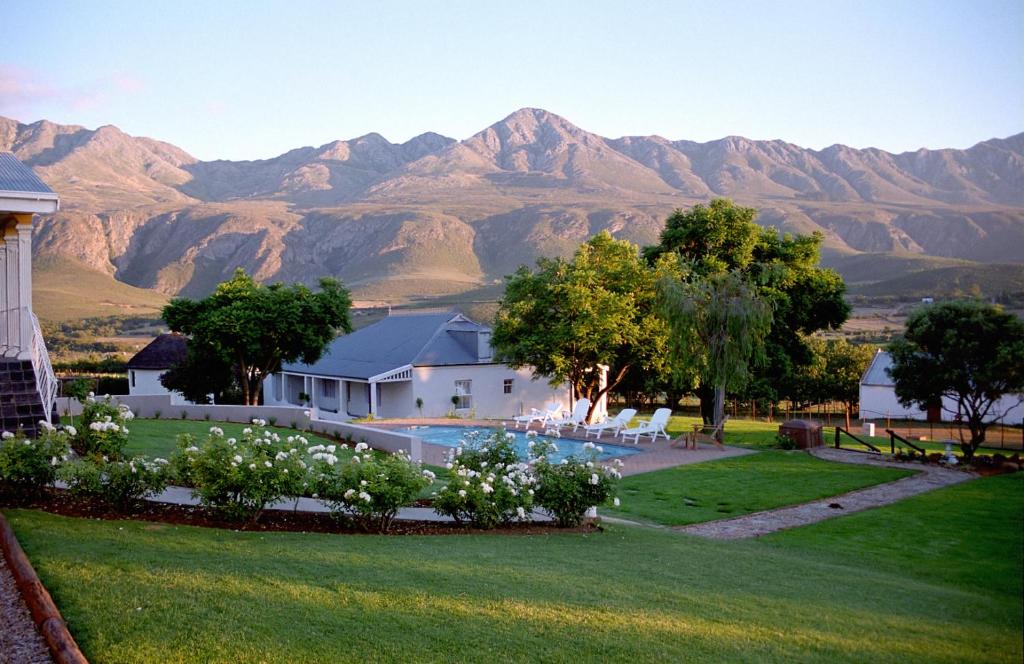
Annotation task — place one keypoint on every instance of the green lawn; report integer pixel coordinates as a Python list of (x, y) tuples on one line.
[(975, 536), (849, 590), (158, 438), (740, 485)]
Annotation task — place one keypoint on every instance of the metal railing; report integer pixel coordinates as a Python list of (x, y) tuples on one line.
[(46, 382)]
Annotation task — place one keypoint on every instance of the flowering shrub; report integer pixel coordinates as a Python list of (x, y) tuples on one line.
[(121, 484), (568, 488), (240, 477), (369, 488), (489, 485), (104, 432), (27, 465)]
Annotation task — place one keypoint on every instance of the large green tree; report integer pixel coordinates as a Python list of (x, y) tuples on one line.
[(718, 327), (833, 375), (254, 327), (569, 319), (968, 352), (722, 237)]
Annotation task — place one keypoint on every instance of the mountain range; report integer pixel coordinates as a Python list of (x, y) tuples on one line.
[(435, 217)]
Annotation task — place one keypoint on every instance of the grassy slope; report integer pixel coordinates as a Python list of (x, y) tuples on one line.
[(741, 485), (970, 534), (139, 592), (65, 289)]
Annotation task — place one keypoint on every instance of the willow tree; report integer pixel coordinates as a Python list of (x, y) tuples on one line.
[(718, 325)]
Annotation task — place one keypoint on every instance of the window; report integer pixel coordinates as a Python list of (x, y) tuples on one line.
[(329, 389), (506, 387), (464, 390), (133, 379)]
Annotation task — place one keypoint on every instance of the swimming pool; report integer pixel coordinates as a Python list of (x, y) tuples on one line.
[(450, 437)]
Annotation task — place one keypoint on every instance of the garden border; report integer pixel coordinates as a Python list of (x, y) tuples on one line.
[(45, 614)]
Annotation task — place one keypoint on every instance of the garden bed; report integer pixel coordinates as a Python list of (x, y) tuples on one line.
[(58, 501)]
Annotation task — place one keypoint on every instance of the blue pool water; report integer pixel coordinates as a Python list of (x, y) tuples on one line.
[(450, 437)]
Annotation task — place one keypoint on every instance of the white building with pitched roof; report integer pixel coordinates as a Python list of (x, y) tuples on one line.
[(384, 368), (878, 399), (27, 384)]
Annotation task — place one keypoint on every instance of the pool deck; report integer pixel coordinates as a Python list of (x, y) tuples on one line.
[(653, 456)]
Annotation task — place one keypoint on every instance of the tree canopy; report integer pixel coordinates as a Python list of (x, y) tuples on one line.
[(569, 319), (969, 352), (783, 269), (254, 327)]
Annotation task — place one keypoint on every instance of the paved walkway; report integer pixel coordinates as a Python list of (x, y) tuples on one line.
[(761, 523)]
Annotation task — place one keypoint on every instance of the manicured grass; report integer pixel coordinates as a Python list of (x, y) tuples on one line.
[(159, 437), (740, 485), (137, 592), (970, 534)]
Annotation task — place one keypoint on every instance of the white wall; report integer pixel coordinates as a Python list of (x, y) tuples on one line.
[(878, 402), (436, 385), (147, 381)]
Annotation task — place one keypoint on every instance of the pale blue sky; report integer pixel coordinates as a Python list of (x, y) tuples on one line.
[(252, 79)]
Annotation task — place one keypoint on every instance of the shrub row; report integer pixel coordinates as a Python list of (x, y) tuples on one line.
[(238, 478)]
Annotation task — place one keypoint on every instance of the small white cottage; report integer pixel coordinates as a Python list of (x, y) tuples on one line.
[(153, 361), (387, 368), (878, 399)]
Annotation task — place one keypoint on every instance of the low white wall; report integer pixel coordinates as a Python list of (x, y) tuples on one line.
[(146, 406)]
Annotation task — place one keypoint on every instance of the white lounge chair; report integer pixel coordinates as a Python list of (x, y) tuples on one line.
[(551, 411), (653, 427), (577, 418), (617, 423)]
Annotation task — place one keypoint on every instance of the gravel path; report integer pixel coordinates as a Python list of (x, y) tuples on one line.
[(20, 643), (761, 523)]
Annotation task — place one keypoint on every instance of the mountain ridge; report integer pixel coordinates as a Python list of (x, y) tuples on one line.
[(461, 214)]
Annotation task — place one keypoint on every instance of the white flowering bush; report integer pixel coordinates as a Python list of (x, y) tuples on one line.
[(368, 488), (27, 465), (239, 477), (119, 483), (489, 485), (104, 430), (568, 488)]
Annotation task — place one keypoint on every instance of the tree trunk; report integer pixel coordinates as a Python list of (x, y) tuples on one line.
[(719, 411), (707, 404)]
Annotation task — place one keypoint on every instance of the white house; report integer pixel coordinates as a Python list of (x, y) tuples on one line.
[(153, 361), (878, 399), (27, 384), (384, 368)]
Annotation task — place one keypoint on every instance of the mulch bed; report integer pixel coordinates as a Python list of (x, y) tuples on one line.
[(57, 501)]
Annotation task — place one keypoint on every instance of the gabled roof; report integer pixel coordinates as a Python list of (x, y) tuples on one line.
[(402, 339), (162, 353), (877, 373), (17, 178)]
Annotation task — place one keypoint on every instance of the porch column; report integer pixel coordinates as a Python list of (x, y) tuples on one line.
[(12, 276), (314, 399), (373, 399), (5, 340)]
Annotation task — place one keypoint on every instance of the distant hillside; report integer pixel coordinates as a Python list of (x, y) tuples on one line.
[(64, 289), (438, 217)]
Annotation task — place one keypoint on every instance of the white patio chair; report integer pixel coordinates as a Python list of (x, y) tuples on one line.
[(577, 418), (653, 427), (617, 424), (551, 411)]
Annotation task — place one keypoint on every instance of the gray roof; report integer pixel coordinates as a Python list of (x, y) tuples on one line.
[(878, 371), (17, 177), (419, 339), (163, 352)]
